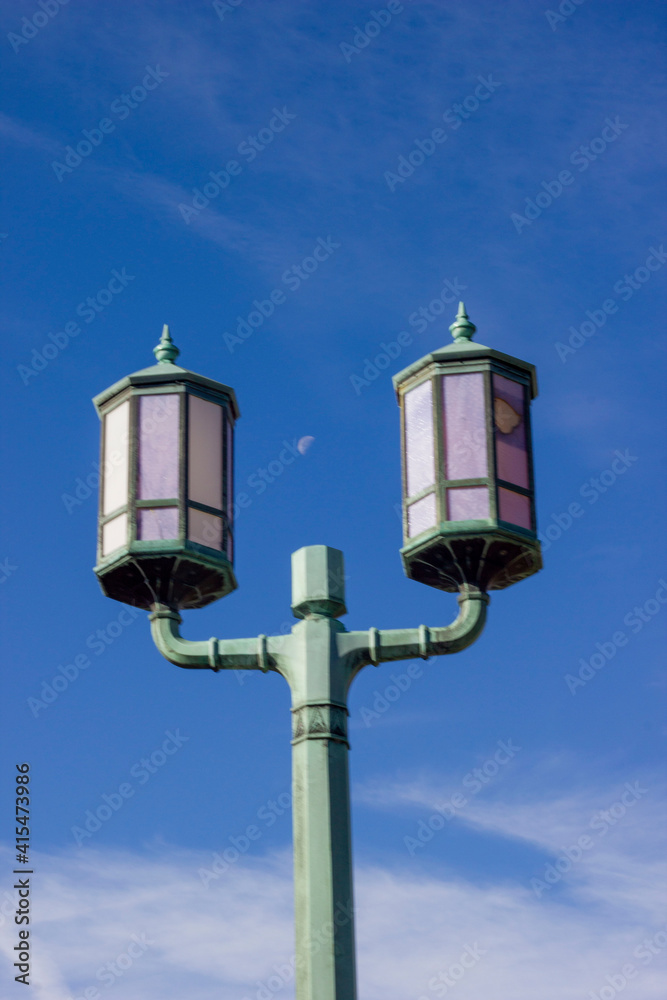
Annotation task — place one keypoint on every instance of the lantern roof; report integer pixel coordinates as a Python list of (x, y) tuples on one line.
[(462, 349), (165, 371)]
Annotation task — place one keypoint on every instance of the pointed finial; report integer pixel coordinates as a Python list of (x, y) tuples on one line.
[(166, 351), (462, 329)]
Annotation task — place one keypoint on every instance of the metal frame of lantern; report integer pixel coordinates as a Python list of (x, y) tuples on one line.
[(465, 539), (162, 559)]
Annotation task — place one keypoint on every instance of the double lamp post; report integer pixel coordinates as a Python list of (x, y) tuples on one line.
[(166, 543)]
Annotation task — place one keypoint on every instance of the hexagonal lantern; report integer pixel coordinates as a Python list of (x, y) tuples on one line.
[(468, 492), (166, 493)]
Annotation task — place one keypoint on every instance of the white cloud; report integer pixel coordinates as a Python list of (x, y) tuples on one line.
[(412, 924)]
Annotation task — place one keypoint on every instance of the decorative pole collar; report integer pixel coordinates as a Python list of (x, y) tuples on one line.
[(462, 329), (166, 351)]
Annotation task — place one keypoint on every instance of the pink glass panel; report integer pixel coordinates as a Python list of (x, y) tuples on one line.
[(205, 452), (116, 437), (510, 427), (157, 477), (206, 529), (114, 534), (420, 465), (465, 426), (421, 515), (467, 503), (157, 523), (514, 507), (230, 486)]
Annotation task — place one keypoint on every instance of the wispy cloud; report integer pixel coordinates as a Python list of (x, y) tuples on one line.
[(15, 132), (163, 197), (232, 936)]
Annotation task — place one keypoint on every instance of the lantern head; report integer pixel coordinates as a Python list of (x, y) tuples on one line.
[(165, 532), (468, 490)]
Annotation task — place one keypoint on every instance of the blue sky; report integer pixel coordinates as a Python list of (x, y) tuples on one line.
[(541, 208)]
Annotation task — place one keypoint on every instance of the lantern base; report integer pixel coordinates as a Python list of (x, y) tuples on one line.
[(488, 561), (183, 580)]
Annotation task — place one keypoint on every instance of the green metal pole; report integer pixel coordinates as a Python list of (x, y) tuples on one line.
[(324, 909), (319, 660), (318, 678)]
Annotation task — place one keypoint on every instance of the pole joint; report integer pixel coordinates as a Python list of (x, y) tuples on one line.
[(320, 721), (262, 653), (213, 654), (374, 641)]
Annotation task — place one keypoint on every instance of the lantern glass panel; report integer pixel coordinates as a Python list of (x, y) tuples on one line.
[(205, 529), (420, 464), (468, 503), (114, 534), (510, 430), (205, 453), (230, 486), (515, 508), (158, 447), (421, 515), (116, 440), (157, 523), (465, 426)]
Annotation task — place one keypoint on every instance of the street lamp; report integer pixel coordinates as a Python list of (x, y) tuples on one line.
[(468, 488), (165, 543), (165, 532)]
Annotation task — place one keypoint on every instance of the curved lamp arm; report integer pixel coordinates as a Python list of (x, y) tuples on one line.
[(383, 645), (260, 653), (357, 649)]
